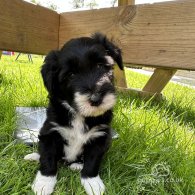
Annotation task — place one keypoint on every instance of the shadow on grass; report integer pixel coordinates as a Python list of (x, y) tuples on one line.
[(183, 113)]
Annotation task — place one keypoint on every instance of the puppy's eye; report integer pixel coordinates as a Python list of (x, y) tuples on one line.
[(68, 76), (105, 65), (99, 65), (109, 65)]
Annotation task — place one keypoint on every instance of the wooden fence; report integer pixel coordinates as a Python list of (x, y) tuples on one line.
[(160, 35)]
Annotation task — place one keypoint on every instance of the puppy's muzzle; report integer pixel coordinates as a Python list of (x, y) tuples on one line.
[(94, 105), (95, 99)]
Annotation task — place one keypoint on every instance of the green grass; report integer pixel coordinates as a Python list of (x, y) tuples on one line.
[(153, 155)]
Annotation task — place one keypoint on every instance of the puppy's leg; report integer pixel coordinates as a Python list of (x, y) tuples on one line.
[(93, 154), (45, 180)]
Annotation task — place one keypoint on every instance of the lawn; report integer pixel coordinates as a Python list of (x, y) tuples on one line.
[(154, 153)]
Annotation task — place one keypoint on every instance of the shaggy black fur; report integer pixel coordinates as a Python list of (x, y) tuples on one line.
[(77, 68)]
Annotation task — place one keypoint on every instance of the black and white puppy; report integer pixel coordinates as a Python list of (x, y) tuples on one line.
[(79, 80)]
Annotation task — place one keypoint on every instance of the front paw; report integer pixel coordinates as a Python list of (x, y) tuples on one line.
[(76, 166), (93, 185), (33, 156), (43, 185)]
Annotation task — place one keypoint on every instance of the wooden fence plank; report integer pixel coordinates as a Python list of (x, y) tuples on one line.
[(27, 28), (120, 78), (126, 2), (161, 34)]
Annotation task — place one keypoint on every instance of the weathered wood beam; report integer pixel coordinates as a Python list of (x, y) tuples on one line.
[(158, 80), (126, 2), (120, 78), (157, 35), (28, 28)]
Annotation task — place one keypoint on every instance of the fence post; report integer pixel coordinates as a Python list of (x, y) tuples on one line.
[(119, 74)]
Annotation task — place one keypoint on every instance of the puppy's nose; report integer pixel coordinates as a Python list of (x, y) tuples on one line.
[(95, 99)]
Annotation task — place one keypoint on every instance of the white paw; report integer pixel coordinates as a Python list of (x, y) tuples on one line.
[(76, 166), (43, 185), (93, 185), (33, 156)]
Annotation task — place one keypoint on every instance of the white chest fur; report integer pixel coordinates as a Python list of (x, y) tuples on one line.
[(77, 136)]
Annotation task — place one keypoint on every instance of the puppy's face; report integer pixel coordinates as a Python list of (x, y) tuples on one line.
[(81, 74), (93, 88)]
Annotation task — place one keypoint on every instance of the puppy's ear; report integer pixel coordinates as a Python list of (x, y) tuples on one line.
[(50, 71), (110, 47)]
